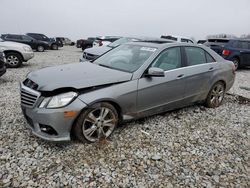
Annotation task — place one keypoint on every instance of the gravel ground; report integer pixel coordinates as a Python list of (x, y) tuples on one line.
[(191, 147)]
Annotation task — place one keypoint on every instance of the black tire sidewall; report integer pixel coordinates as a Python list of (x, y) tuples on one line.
[(41, 48), (77, 127), (238, 61), (54, 47), (19, 57)]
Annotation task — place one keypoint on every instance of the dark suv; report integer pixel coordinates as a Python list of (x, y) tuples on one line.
[(2, 63), (40, 46), (52, 42), (236, 50)]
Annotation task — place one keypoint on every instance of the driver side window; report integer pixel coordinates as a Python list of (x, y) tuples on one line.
[(168, 59)]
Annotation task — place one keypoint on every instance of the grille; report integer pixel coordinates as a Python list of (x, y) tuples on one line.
[(89, 56), (28, 97)]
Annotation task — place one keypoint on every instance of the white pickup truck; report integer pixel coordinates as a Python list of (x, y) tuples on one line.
[(16, 53)]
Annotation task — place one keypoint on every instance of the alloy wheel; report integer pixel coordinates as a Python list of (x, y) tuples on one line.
[(236, 63), (98, 123), (217, 95), (12, 60)]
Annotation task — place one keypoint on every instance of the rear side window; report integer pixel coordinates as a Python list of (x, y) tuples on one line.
[(195, 56), (18, 37), (209, 58), (243, 44), (235, 44)]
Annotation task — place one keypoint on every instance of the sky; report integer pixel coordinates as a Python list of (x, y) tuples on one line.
[(85, 18)]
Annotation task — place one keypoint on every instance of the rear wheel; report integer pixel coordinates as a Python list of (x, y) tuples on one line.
[(95, 123), (236, 62), (40, 49), (13, 60), (215, 95), (54, 47)]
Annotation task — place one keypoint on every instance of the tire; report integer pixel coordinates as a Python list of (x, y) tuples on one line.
[(13, 60), (54, 47), (236, 62), (215, 95), (91, 127), (40, 48)]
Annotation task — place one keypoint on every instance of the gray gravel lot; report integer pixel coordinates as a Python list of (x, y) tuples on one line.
[(190, 147)]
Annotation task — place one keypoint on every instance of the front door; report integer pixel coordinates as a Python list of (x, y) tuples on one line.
[(157, 94)]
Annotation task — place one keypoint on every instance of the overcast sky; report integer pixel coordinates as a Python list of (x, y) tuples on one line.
[(82, 18)]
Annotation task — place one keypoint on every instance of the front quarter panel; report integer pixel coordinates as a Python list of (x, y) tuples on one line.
[(123, 94)]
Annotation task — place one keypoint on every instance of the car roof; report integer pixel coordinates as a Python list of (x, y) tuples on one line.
[(164, 45)]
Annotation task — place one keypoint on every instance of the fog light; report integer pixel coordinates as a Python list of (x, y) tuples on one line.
[(47, 129)]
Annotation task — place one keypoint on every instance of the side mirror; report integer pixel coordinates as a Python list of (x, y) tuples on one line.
[(155, 72)]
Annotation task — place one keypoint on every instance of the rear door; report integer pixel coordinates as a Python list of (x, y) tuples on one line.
[(27, 40), (199, 69), (157, 94), (244, 52)]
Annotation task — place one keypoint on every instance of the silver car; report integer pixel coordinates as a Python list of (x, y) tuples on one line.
[(134, 80)]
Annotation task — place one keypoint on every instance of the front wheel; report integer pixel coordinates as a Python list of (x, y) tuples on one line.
[(215, 95), (13, 60), (99, 121)]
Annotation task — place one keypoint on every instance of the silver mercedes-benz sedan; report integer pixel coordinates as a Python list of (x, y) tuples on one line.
[(138, 79)]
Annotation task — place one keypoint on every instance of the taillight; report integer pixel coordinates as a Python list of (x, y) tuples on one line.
[(226, 52), (100, 43)]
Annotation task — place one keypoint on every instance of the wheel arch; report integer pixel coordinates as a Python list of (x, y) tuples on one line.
[(14, 51), (110, 101)]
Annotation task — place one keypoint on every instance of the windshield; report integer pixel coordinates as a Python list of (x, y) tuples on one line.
[(120, 41), (127, 57)]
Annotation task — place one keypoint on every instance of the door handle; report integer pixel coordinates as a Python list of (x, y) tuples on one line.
[(180, 76), (211, 68)]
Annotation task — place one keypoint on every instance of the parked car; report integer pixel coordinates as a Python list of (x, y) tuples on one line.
[(2, 63), (91, 54), (104, 40), (178, 38), (87, 43), (65, 41), (52, 42), (236, 50), (134, 80), (59, 41), (79, 43), (40, 46), (201, 41), (16, 53)]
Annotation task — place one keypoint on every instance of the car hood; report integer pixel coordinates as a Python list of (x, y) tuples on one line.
[(12, 44), (97, 51), (77, 76)]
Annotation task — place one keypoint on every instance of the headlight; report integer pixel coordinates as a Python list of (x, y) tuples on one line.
[(27, 48), (58, 100)]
